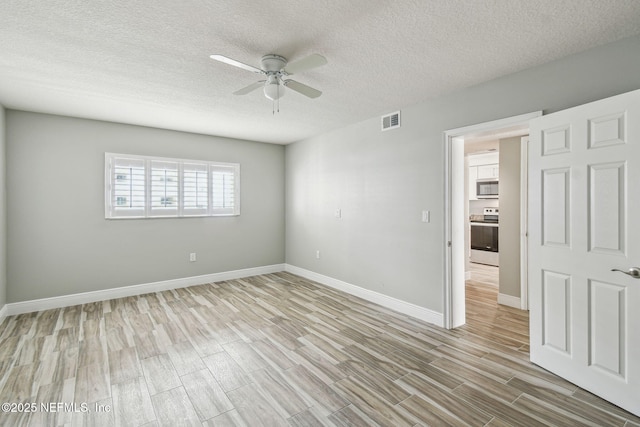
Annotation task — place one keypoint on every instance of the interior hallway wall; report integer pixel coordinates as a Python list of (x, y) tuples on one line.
[(382, 181), (509, 231)]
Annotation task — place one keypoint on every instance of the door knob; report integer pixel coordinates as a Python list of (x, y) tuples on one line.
[(633, 272)]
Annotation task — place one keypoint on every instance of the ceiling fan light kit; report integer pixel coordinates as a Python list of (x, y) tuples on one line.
[(276, 69), (273, 90)]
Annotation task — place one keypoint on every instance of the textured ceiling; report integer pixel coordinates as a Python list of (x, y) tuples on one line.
[(147, 62)]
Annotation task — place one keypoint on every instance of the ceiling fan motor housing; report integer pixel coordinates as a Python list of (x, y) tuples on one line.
[(273, 63)]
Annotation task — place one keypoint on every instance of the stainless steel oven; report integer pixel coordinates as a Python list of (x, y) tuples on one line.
[(487, 189), (484, 238)]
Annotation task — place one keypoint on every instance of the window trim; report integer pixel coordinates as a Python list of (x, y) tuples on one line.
[(110, 209)]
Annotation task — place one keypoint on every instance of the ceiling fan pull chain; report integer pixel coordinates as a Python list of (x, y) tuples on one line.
[(275, 103)]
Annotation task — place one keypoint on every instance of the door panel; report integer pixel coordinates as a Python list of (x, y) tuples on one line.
[(607, 340), (556, 207), (584, 174), (607, 207), (607, 130), (556, 140), (556, 306)]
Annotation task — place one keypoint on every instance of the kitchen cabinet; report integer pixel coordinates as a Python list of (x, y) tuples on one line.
[(484, 159), (473, 176), (488, 171), (482, 166)]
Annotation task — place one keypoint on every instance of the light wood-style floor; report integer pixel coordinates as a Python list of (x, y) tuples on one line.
[(485, 274), (278, 350)]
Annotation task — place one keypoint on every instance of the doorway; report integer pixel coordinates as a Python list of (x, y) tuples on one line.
[(483, 196), (457, 212)]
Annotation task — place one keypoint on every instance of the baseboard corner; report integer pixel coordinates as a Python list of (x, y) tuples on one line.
[(509, 300), (386, 301)]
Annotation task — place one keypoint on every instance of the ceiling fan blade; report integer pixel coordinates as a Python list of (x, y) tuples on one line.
[(306, 63), (235, 63), (302, 88), (250, 88)]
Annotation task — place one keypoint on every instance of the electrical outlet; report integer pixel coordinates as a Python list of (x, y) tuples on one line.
[(338, 213), (317, 254), (192, 257), (426, 216)]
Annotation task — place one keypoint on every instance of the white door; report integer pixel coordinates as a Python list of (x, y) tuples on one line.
[(584, 207)]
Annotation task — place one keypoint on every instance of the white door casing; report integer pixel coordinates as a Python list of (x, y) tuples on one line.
[(455, 249), (584, 220)]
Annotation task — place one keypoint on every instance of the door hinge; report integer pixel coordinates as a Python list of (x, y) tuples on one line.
[(449, 243)]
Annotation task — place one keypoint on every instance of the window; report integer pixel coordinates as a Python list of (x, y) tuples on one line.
[(128, 187), (150, 187), (164, 188), (223, 181), (195, 188)]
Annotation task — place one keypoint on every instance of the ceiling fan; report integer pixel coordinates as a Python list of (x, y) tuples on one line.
[(276, 71)]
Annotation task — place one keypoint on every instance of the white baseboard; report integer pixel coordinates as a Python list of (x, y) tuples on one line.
[(3, 313), (133, 290), (509, 300), (403, 307)]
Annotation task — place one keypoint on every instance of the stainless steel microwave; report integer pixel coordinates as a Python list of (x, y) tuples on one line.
[(487, 189)]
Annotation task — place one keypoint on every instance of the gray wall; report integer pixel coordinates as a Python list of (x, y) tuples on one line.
[(59, 242), (3, 211), (509, 234), (383, 180)]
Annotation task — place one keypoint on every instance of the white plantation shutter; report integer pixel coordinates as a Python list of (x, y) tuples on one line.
[(145, 187), (126, 179), (195, 188), (225, 189), (164, 188)]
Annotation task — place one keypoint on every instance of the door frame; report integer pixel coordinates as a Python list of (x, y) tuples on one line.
[(524, 223), (454, 269)]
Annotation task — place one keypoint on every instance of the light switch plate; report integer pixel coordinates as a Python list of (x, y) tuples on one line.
[(426, 216)]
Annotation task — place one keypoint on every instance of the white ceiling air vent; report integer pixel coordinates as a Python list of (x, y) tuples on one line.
[(391, 121)]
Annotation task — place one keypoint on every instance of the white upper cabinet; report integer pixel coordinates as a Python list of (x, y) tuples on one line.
[(489, 171), (473, 177), (484, 159), (482, 166)]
